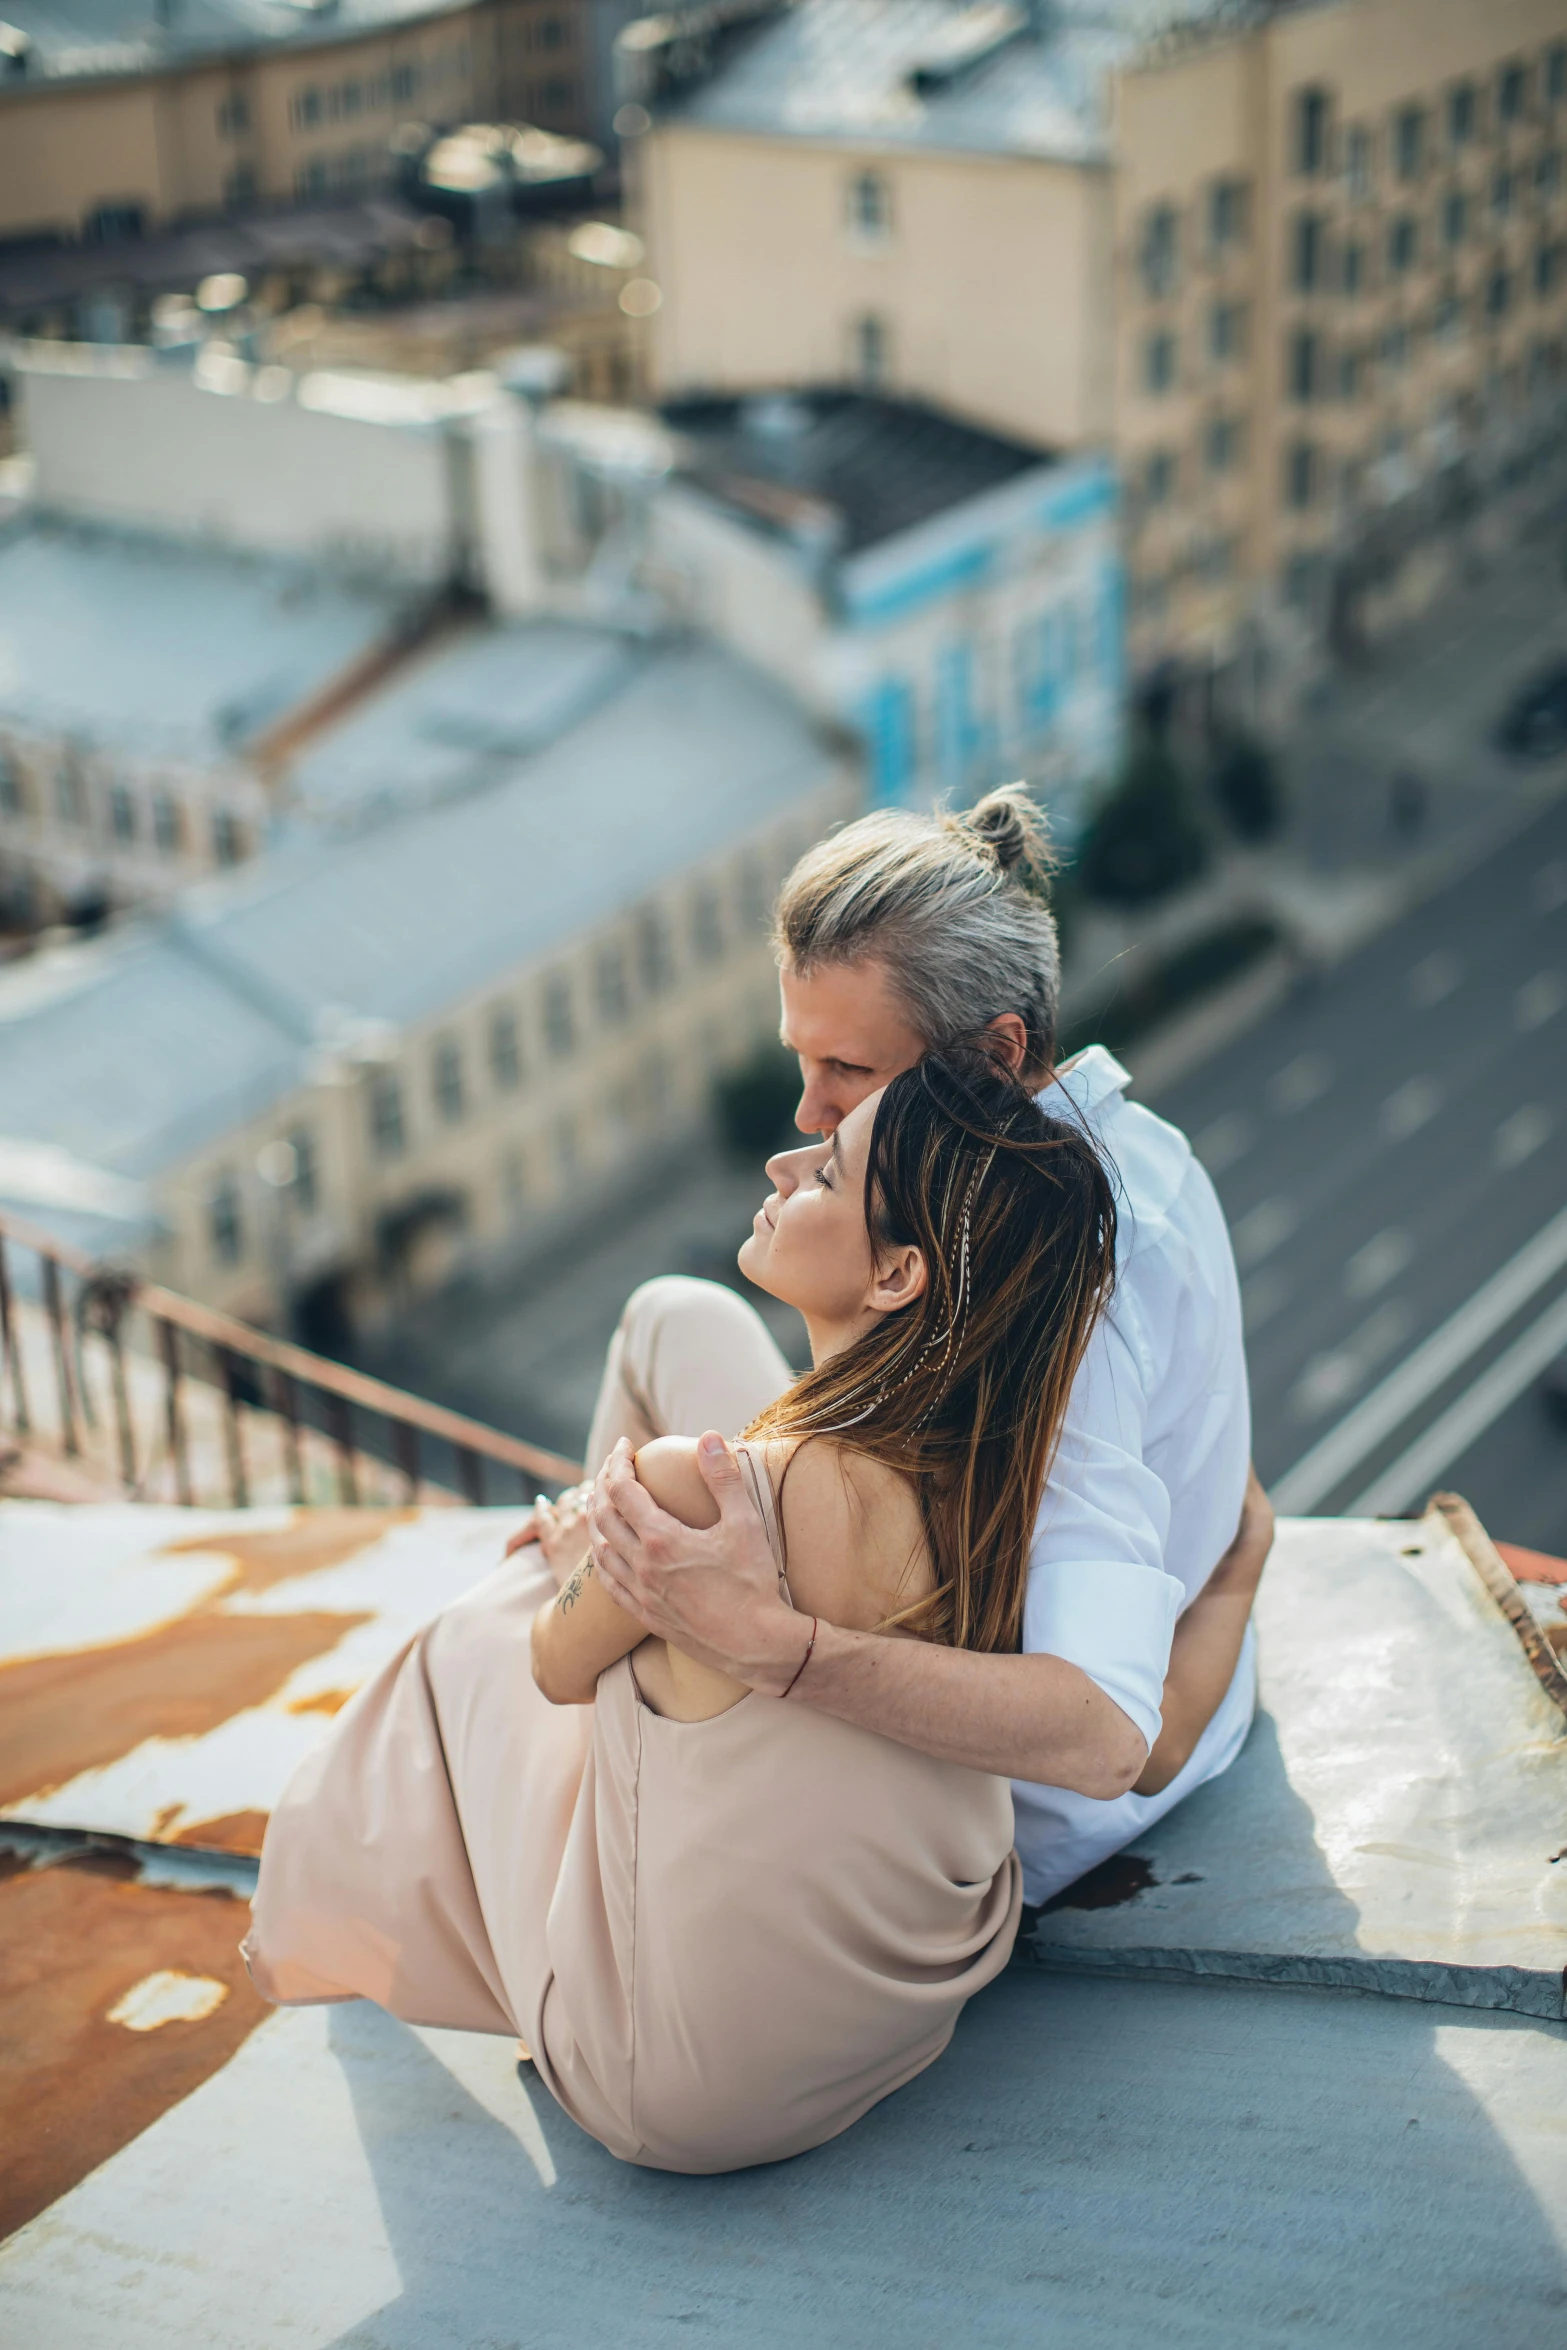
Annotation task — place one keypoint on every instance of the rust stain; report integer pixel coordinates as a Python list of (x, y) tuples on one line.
[(325, 1701), (77, 1710), (316, 1539), (74, 1938), (231, 1831), (1531, 1566)]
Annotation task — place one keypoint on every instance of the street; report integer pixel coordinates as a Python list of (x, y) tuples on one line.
[(1390, 1147)]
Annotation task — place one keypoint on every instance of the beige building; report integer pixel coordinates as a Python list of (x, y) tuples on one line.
[(1341, 276), (1302, 268), (172, 112)]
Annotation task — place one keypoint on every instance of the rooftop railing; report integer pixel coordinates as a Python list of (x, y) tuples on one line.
[(150, 1395)]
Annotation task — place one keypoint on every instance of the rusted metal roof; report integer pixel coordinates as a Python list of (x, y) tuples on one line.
[(162, 1670)]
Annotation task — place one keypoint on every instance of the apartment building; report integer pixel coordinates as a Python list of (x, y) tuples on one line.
[(120, 117), (1341, 269)]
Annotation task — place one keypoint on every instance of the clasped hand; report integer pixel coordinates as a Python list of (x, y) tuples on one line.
[(712, 1591)]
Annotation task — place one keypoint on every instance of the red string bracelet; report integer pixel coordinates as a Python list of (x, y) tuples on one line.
[(804, 1661)]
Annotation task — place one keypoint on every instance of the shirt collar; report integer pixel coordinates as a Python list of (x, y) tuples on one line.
[(1094, 1075)]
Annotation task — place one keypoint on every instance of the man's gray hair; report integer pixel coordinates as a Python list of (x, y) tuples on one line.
[(954, 906)]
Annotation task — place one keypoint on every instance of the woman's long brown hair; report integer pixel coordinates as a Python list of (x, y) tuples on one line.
[(964, 1391)]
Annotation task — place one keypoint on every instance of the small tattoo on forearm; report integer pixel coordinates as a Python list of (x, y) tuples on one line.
[(571, 1592)]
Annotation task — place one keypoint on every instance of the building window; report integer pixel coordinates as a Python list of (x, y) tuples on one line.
[(1159, 362), (1512, 93), (1447, 321), (167, 829), (305, 1186), (870, 207), (239, 188), (70, 791), (1352, 270), (233, 114), (1227, 331), (388, 1137), (1227, 214), (707, 926), (228, 844), (1547, 269), (655, 954), (1313, 114), (122, 812), (1303, 365), (1547, 174), (1556, 73), (1349, 374), (306, 111), (1409, 142), (225, 1227), (1308, 252), (446, 1074), (1300, 475), (113, 224), (1359, 158), (505, 1048), (10, 785), (1455, 216), (1159, 477), (869, 350), (1223, 443), (610, 984), (404, 83), (1501, 194), (1158, 253), (1403, 244), (560, 1027), (1498, 294), (1462, 114)]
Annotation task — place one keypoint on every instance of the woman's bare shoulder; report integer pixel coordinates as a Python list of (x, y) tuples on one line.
[(667, 1467), (853, 1534)]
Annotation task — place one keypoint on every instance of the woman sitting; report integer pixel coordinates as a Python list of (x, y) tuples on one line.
[(726, 1925)]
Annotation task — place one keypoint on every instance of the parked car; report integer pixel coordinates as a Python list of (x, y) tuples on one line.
[(1534, 724)]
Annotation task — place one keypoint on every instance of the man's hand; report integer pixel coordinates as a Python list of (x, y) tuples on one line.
[(713, 1591)]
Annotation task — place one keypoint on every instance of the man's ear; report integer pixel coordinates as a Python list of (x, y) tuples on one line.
[(1008, 1035), (899, 1279)]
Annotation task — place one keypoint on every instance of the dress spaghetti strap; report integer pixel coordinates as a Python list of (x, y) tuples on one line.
[(753, 1467)]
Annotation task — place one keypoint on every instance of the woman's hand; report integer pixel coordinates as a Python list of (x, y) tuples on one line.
[(560, 1528)]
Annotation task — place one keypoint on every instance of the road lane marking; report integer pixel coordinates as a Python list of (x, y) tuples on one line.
[(1229, 1138), (1410, 1478), (1433, 979), (1300, 1083), (1338, 1454), (1333, 1377), (1414, 1105), (1520, 1136), (1258, 1234), (1539, 1000), (1381, 1260)]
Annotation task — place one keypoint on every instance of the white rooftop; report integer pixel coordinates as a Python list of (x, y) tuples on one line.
[(73, 38)]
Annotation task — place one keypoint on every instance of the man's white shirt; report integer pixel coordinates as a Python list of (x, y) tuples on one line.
[(1145, 1494)]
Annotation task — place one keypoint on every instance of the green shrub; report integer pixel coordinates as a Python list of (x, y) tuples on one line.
[(1147, 840), (754, 1104)]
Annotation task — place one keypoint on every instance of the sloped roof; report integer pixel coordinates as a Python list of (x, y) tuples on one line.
[(73, 39)]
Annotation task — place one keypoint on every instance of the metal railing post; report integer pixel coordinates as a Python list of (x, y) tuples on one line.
[(11, 1342), (174, 1418), (55, 1308)]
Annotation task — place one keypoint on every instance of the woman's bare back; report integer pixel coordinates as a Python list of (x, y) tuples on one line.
[(854, 1545)]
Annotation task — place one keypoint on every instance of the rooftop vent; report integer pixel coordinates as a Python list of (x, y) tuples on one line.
[(16, 49), (970, 39)]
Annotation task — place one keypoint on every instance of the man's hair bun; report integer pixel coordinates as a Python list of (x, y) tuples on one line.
[(1009, 826)]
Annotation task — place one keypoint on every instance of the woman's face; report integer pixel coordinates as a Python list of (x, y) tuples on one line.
[(809, 1243)]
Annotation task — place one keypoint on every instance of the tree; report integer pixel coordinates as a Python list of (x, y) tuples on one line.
[(1246, 787), (1147, 839)]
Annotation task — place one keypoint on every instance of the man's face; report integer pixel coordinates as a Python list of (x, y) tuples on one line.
[(851, 1035)]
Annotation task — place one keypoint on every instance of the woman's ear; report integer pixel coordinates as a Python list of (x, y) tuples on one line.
[(898, 1280)]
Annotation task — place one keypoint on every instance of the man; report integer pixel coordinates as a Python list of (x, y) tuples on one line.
[(899, 932)]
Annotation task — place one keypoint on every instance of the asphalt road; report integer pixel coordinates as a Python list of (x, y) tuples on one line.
[(1391, 1149)]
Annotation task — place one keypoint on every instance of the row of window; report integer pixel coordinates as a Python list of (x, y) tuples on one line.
[(226, 1234), (1415, 132), (1315, 370), (349, 169), (1227, 219), (1221, 450), (640, 967), (158, 818), (1225, 334), (1320, 263), (321, 103)]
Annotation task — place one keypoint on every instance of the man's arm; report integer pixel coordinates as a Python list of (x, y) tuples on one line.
[(715, 1595), (1207, 1643)]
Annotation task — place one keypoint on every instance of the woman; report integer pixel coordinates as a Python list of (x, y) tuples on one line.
[(725, 1925)]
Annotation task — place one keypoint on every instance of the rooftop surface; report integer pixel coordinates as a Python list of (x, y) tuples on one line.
[(167, 650), (133, 1050), (852, 466), (890, 73), (1102, 2162), (72, 39)]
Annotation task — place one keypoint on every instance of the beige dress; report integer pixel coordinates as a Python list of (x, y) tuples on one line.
[(723, 1940)]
